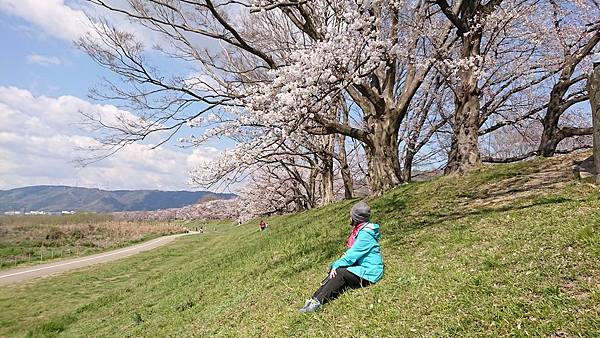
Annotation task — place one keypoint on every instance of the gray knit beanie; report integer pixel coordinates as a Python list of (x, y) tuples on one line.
[(360, 212)]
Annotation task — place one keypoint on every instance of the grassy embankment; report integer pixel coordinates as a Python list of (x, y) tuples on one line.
[(512, 250), (33, 239)]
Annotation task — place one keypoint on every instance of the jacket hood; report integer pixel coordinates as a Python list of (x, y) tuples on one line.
[(373, 230)]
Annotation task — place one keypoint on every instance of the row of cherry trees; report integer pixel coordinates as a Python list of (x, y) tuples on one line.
[(328, 98)]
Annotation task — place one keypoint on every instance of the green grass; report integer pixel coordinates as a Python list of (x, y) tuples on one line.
[(497, 253)]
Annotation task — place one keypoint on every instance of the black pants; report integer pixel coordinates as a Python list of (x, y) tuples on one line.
[(342, 281)]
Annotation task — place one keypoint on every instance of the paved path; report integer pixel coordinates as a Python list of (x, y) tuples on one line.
[(42, 270)]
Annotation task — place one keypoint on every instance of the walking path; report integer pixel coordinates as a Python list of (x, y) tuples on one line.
[(42, 270)]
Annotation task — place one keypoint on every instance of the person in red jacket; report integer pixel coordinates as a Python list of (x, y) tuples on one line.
[(263, 225)]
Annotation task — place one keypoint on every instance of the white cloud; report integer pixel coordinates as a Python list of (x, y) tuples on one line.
[(39, 135), (52, 16), (199, 156), (43, 60), (71, 21), (203, 81)]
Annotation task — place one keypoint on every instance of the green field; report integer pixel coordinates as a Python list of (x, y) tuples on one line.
[(511, 250), (27, 240)]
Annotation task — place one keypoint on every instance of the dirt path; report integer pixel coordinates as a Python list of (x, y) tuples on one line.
[(25, 273)]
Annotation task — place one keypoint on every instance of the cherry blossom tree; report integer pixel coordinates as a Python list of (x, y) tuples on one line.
[(575, 35), (547, 111), (381, 76), (376, 53), (321, 96)]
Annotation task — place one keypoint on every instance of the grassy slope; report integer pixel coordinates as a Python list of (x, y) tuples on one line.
[(512, 250)]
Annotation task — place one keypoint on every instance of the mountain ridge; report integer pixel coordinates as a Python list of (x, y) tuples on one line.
[(55, 198)]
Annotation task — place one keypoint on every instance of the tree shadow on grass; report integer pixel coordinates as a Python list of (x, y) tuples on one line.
[(435, 218)]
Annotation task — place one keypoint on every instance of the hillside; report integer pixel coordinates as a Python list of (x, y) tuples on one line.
[(510, 250), (58, 198)]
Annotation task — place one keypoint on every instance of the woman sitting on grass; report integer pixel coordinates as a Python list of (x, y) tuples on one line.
[(360, 266)]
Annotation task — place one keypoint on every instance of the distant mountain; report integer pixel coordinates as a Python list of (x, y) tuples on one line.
[(58, 198)]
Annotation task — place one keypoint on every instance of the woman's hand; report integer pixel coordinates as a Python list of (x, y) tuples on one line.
[(332, 273)]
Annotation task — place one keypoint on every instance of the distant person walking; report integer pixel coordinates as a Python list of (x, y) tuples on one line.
[(360, 266), (263, 225)]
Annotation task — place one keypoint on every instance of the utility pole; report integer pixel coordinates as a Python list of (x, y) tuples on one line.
[(594, 94)]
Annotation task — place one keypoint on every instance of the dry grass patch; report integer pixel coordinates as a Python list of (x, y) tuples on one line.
[(25, 240)]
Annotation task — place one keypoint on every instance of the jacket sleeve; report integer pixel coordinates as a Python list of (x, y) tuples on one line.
[(362, 245)]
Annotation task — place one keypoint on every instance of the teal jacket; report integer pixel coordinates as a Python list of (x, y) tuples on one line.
[(364, 257)]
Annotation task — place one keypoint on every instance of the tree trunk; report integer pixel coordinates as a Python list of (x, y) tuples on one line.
[(327, 176), (327, 182), (549, 141), (464, 153), (408, 163), (559, 101), (382, 155), (300, 203), (345, 168), (311, 191), (594, 93), (551, 133)]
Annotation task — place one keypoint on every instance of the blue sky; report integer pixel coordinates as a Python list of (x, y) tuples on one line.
[(69, 72), (44, 82)]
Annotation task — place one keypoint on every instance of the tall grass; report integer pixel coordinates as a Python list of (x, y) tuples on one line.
[(34, 220), (33, 239)]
